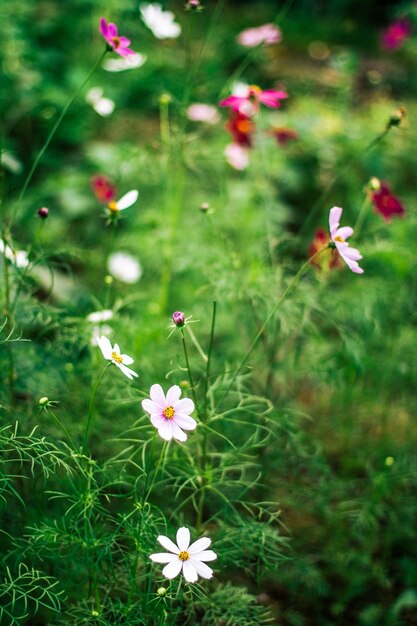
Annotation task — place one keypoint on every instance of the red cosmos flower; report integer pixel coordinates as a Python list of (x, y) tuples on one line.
[(284, 135), (241, 127), (332, 260), (385, 203), (395, 35), (103, 189), (249, 103)]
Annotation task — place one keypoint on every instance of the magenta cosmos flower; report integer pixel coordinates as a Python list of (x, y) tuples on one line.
[(396, 34), (338, 235), (169, 414), (117, 43), (183, 556), (249, 103), (385, 203)]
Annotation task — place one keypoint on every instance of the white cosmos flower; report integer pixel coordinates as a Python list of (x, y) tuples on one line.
[(160, 22), (124, 63), (168, 413), (124, 267), (19, 258), (102, 106), (113, 355), (183, 556), (100, 316), (125, 201)]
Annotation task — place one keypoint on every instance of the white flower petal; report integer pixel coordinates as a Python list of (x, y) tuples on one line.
[(158, 396), (126, 359), (165, 430), (163, 557), (177, 433), (185, 421), (183, 538), (202, 569), (344, 232), (205, 555), (173, 395), (199, 545), (334, 219), (184, 406), (128, 63), (100, 316), (105, 346), (168, 544), (127, 371), (172, 569), (150, 407), (189, 572), (158, 420), (127, 200)]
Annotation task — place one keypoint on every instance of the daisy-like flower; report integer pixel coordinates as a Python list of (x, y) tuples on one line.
[(160, 22), (97, 317), (124, 203), (168, 413), (266, 34), (116, 42), (102, 106), (124, 267), (396, 34), (249, 103), (113, 354), (183, 556), (129, 63), (338, 235)]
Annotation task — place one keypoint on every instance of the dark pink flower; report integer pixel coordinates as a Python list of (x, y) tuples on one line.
[(103, 189), (284, 135), (118, 43), (385, 203), (249, 103), (395, 35), (241, 127)]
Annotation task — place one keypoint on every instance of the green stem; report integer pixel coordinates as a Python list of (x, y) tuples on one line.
[(361, 215), (323, 196), (55, 128), (63, 428), (9, 323), (197, 344), (210, 349), (91, 405), (161, 458), (190, 377), (260, 332)]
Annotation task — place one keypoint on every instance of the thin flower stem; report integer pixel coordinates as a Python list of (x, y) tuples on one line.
[(197, 344), (55, 128), (161, 458), (190, 377), (323, 196), (8, 324), (260, 332), (210, 349), (361, 215), (91, 405), (63, 428)]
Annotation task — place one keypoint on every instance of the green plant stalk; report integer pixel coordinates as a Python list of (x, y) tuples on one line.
[(55, 128), (190, 376), (91, 405), (197, 344), (9, 325), (63, 428), (361, 215), (260, 332)]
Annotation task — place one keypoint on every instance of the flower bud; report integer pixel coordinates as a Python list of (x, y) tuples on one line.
[(43, 401), (375, 184), (161, 591), (178, 318), (43, 212), (204, 207), (193, 5), (165, 98), (389, 461), (397, 117)]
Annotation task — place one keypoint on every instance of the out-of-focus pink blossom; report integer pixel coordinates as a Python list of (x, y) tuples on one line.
[(237, 156), (320, 241), (103, 189), (338, 235), (200, 112), (266, 34), (284, 135), (396, 34), (241, 127), (249, 103), (117, 42), (385, 203)]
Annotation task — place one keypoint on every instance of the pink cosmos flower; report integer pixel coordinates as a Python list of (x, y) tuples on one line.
[(266, 34), (351, 256), (249, 103), (385, 203), (237, 156), (117, 43), (169, 414), (396, 34), (200, 112), (113, 354)]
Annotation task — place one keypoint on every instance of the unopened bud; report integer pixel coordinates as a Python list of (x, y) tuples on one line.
[(43, 401), (204, 207), (165, 98), (193, 5), (397, 117), (374, 184), (43, 212), (161, 591), (178, 318)]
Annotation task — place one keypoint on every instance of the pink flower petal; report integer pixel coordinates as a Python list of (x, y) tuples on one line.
[(112, 30), (184, 406), (103, 27), (173, 395), (345, 232), (151, 407), (177, 433), (334, 219), (158, 396), (165, 430), (185, 421)]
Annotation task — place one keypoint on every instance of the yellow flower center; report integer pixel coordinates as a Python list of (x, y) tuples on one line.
[(116, 357), (116, 41), (338, 238), (254, 90), (113, 206), (169, 413), (183, 556)]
